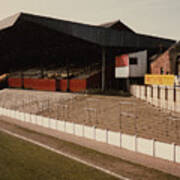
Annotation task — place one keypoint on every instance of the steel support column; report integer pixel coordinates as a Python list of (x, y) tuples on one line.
[(103, 69), (68, 79)]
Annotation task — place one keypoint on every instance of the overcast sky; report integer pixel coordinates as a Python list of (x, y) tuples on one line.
[(154, 17)]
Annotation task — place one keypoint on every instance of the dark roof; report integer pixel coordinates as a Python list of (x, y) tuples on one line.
[(117, 25), (175, 46), (101, 36)]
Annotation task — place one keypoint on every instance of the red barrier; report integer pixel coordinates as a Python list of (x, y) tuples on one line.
[(40, 84), (15, 82), (77, 85), (28, 83), (63, 85)]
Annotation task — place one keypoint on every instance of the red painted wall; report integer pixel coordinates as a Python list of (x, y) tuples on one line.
[(15, 82), (40, 84), (63, 85), (77, 85)]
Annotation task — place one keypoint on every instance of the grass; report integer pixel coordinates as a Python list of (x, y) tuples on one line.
[(29, 161), (20, 160)]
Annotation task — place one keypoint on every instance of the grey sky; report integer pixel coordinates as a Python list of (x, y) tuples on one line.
[(156, 17)]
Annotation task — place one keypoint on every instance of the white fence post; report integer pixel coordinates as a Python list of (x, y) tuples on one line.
[(174, 152), (107, 136), (94, 132), (154, 148)]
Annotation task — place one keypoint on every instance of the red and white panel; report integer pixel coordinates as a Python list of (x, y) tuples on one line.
[(122, 66)]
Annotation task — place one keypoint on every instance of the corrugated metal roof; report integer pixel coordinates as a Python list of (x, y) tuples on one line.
[(117, 25), (101, 36)]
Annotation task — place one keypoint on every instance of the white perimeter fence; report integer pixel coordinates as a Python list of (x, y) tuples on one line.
[(149, 147), (160, 96)]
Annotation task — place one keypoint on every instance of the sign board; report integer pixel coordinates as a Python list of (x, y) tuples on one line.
[(166, 80)]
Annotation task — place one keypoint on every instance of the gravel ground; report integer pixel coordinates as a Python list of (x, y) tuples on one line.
[(126, 114)]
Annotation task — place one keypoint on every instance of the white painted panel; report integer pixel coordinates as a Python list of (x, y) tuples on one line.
[(7, 112), (178, 154), (128, 142), (78, 130), (60, 125), (10, 113), (39, 120), (122, 72), (18, 115), (4, 112), (27, 117), (101, 135), (33, 119), (0, 110), (145, 146), (53, 123), (22, 116), (69, 127), (45, 121), (89, 132), (164, 151), (114, 138)]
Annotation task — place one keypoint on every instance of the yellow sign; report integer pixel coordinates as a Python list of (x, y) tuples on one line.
[(166, 80)]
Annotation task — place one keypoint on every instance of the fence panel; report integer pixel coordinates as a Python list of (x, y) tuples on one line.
[(69, 128), (89, 132), (33, 119), (177, 155), (60, 125), (101, 135), (128, 142), (79, 130), (45, 122), (39, 120), (53, 124), (114, 138), (145, 146), (164, 151)]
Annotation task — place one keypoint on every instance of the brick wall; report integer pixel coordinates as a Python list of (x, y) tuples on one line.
[(162, 61)]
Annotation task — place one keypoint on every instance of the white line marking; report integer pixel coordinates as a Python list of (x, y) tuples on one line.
[(64, 154)]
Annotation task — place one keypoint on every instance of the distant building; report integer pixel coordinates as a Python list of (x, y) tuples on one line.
[(167, 62)]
